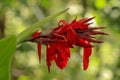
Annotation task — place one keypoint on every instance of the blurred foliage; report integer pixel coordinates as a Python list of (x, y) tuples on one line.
[(105, 59)]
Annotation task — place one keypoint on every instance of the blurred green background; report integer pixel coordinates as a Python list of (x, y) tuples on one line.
[(17, 15)]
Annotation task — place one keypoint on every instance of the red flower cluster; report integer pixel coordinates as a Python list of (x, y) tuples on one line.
[(60, 39)]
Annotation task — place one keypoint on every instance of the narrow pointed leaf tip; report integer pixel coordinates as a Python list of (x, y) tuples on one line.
[(29, 31)]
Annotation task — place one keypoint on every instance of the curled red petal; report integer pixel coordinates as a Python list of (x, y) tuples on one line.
[(62, 22), (62, 27)]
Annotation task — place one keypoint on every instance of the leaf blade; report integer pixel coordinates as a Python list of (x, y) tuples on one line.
[(7, 48), (26, 33)]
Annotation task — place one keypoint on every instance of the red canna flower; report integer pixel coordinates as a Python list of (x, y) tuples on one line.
[(60, 39)]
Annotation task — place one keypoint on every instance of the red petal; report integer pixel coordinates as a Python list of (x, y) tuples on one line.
[(50, 55), (83, 43), (74, 24), (63, 55), (36, 34), (78, 25), (71, 36), (62, 27), (62, 22), (39, 51), (86, 55)]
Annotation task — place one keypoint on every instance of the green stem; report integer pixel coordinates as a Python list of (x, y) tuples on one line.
[(29, 31)]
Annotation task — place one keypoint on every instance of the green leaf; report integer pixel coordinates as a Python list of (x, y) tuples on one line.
[(7, 49), (28, 32)]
